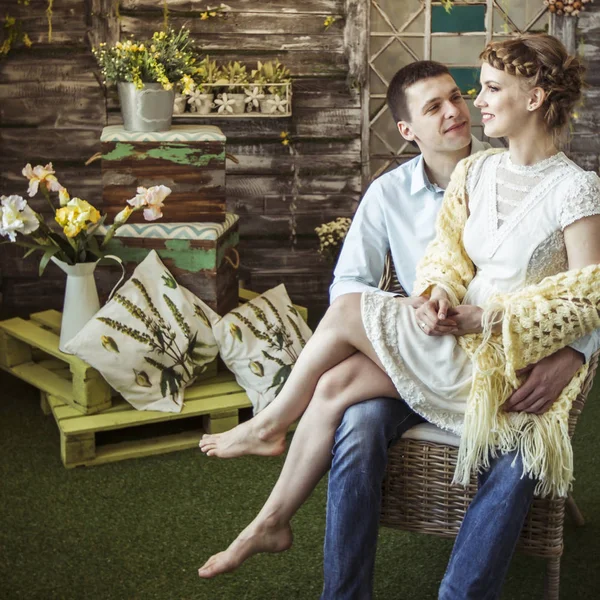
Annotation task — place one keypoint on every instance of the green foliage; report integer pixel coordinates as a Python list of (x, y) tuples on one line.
[(168, 58), (280, 342), (270, 72), (169, 281), (280, 378), (235, 73), (176, 365), (12, 34), (208, 71)]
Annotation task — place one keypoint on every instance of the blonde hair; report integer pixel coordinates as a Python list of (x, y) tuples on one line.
[(543, 61)]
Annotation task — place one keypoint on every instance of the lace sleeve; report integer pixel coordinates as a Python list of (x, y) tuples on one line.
[(583, 199)]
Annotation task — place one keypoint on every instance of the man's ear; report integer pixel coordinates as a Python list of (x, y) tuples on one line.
[(406, 131), (537, 96)]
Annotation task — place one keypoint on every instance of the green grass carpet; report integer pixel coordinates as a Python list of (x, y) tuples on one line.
[(139, 529)]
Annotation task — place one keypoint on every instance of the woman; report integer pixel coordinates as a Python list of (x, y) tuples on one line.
[(512, 224)]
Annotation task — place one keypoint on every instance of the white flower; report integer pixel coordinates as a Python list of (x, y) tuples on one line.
[(152, 199), (225, 104), (197, 99), (253, 96), (39, 174), (16, 217), (276, 103)]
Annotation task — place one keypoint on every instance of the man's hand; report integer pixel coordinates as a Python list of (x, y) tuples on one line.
[(467, 318), (545, 382)]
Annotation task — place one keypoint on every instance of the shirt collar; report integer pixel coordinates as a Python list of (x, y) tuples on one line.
[(420, 181)]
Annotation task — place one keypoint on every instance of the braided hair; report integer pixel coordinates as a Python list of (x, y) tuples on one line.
[(543, 61)]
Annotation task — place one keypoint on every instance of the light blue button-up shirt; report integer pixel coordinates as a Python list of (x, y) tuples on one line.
[(397, 214)]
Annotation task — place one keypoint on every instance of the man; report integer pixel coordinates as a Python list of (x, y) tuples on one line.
[(397, 214)]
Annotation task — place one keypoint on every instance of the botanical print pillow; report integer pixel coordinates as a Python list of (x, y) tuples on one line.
[(260, 341), (151, 340)]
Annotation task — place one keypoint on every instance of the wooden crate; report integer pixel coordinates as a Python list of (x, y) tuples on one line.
[(217, 401), (189, 159), (201, 256), (29, 350)]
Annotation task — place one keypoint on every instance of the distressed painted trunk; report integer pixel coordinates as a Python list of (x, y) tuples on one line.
[(201, 256), (189, 159)]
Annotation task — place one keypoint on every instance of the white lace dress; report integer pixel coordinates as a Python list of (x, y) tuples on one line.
[(514, 236)]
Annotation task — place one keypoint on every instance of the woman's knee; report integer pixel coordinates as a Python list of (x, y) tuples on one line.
[(333, 383), (343, 310)]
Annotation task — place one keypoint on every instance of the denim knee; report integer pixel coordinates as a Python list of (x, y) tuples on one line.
[(368, 428)]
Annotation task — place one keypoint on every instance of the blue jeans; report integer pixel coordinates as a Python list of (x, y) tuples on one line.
[(486, 539)]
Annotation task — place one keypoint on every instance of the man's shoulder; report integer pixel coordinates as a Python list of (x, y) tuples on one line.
[(401, 175)]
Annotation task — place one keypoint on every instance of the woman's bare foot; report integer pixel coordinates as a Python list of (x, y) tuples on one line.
[(256, 538), (247, 438)]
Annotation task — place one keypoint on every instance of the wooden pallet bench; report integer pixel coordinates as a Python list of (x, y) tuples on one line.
[(212, 405), (96, 425), (29, 350)]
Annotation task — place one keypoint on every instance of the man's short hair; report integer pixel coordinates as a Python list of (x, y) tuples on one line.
[(404, 78)]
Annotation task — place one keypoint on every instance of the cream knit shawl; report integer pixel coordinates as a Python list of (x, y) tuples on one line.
[(536, 322)]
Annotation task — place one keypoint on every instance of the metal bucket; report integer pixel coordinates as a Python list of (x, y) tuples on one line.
[(148, 109)]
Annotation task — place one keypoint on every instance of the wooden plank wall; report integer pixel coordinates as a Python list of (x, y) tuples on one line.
[(585, 143), (53, 107)]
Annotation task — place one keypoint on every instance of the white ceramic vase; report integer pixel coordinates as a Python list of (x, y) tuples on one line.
[(239, 104), (203, 104), (179, 104), (81, 299)]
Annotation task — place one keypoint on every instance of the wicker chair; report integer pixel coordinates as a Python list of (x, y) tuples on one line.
[(418, 496)]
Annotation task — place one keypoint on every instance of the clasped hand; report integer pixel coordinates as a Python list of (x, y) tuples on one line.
[(542, 383), (436, 317)]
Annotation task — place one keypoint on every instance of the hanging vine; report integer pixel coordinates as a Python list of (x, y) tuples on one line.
[(165, 15), (49, 18), (286, 141)]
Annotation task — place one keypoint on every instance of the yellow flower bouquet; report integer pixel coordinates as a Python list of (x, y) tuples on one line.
[(331, 237), (168, 58), (77, 218)]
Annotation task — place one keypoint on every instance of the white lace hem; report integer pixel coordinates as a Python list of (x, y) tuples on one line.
[(379, 329)]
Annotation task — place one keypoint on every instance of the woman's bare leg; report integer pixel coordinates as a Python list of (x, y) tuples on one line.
[(354, 380), (339, 335)]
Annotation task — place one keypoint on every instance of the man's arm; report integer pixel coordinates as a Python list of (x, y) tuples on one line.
[(587, 345), (362, 259)]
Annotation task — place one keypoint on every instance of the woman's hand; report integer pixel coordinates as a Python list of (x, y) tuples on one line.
[(431, 315)]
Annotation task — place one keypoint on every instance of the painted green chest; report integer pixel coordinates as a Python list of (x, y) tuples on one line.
[(201, 256), (189, 159)]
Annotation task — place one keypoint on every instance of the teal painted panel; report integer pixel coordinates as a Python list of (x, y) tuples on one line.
[(466, 78), (459, 19)]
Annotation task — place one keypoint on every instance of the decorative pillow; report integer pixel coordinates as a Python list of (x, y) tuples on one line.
[(260, 341), (151, 340)]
